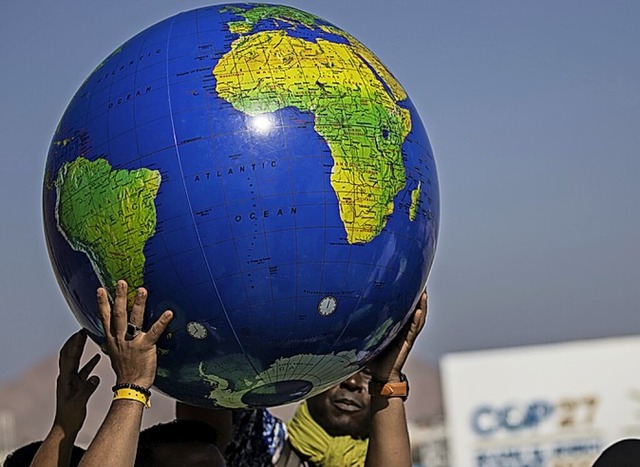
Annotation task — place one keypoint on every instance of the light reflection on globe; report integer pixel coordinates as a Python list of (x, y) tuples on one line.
[(265, 177)]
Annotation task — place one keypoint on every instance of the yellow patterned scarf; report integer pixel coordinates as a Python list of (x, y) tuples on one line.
[(310, 440)]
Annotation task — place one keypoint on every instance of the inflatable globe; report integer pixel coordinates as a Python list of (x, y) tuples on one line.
[(266, 178)]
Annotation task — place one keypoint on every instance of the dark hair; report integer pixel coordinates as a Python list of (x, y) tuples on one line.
[(176, 431), (23, 456), (624, 453)]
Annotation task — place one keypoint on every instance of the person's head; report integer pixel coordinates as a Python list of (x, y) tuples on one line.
[(25, 454), (624, 453), (180, 442), (344, 408)]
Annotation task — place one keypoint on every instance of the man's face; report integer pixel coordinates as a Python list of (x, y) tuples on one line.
[(344, 409)]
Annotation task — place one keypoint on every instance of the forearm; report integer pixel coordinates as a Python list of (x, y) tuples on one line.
[(55, 450), (116, 442), (388, 434)]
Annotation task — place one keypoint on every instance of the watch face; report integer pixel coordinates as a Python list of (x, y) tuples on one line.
[(327, 305), (196, 330)]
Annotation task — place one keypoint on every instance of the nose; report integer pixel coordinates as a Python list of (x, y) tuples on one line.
[(356, 382)]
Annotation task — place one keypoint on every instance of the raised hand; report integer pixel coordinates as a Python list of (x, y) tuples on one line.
[(133, 355), (388, 435), (388, 365), (134, 361), (74, 387)]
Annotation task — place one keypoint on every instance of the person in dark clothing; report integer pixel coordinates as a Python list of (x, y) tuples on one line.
[(23, 456)]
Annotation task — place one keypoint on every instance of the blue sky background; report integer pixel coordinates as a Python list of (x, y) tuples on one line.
[(533, 111)]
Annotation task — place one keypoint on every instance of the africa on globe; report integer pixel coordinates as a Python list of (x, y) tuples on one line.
[(265, 177)]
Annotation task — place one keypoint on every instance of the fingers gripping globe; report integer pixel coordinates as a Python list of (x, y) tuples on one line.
[(264, 176)]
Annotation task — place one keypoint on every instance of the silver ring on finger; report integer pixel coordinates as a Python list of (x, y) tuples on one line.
[(132, 330)]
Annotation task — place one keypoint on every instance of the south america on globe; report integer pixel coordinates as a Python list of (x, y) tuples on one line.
[(266, 178)]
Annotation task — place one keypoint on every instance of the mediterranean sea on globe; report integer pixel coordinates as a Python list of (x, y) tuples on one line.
[(266, 178)]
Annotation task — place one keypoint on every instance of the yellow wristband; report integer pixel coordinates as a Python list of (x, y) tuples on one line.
[(132, 394)]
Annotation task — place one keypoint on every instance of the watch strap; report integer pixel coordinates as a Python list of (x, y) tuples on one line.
[(390, 389)]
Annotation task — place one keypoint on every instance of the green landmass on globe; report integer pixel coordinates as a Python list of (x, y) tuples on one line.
[(352, 96), (415, 202), (319, 368), (109, 215)]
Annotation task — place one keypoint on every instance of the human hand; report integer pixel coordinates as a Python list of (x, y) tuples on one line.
[(133, 359), (74, 387), (388, 365)]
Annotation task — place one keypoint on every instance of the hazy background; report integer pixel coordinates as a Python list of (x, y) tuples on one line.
[(533, 111)]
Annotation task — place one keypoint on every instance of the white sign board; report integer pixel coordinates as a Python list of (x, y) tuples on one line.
[(553, 405)]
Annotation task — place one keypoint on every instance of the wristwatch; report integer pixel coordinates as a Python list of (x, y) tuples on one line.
[(387, 389)]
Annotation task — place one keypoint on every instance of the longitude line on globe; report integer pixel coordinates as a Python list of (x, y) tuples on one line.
[(206, 262)]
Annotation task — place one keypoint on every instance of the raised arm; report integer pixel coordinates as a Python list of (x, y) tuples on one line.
[(388, 433), (134, 361), (74, 387)]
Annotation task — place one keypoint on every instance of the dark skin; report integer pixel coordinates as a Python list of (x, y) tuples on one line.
[(133, 361), (349, 409), (74, 387), (344, 408), (388, 435)]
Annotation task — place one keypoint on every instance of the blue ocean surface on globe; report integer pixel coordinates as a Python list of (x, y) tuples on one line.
[(266, 178)]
